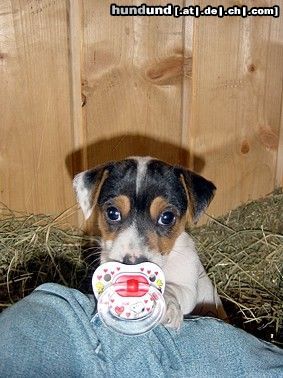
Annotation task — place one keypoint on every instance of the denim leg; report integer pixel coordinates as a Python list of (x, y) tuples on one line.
[(48, 334), (52, 333)]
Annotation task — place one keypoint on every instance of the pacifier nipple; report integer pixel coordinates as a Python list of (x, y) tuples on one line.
[(132, 286)]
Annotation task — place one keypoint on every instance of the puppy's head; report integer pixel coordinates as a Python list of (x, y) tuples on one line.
[(143, 205)]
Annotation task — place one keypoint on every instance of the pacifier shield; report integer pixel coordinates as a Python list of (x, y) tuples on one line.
[(130, 297)]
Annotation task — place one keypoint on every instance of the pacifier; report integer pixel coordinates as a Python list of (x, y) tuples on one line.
[(129, 297)]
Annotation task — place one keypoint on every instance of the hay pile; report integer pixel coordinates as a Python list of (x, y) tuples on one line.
[(35, 249), (242, 252)]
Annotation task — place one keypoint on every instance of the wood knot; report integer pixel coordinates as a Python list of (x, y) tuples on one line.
[(251, 67), (245, 147), (268, 137), (169, 70), (84, 101)]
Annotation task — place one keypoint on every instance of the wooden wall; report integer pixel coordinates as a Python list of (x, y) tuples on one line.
[(78, 87)]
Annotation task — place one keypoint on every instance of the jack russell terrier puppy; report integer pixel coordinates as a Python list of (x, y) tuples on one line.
[(143, 206)]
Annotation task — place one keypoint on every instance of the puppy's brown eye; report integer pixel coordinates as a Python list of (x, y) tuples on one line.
[(167, 218), (113, 214)]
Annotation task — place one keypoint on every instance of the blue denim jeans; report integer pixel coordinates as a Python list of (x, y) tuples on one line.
[(50, 334)]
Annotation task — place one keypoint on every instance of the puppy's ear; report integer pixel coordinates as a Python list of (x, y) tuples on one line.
[(200, 193), (87, 186)]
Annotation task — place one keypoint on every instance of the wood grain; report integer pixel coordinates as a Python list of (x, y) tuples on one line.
[(35, 106), (80, 87), (279, 167), (237, 89), (132, 81)]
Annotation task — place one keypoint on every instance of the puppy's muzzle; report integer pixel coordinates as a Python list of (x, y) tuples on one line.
[(132, 260)]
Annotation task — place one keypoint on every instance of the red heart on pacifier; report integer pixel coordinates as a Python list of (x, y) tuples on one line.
[(105, 270), (99, 277), (153, 297), (112, 300), (142, 269), (128, 314), (148, 309), (119, 310), (112, 273), (148, 271), (156, 273), (118, 268), (146, 300)]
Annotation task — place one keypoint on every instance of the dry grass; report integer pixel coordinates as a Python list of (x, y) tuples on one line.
[(242, 252), (35, 249)]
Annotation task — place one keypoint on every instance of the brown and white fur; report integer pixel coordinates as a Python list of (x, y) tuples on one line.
[(143, 206)]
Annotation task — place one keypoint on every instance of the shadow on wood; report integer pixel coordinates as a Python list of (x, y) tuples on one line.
[(124, 145)]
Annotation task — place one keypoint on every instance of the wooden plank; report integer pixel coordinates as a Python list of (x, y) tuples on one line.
[(77, 160), (237, 88), (132, 81), (35, 106), (191, 160), (76, 42), (279, 167), (141, 96), (276, 56)]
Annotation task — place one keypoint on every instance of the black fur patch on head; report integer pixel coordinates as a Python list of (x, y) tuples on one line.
[(160, 181), (200, 190), (121, 180), (180, 188), (92, 176)]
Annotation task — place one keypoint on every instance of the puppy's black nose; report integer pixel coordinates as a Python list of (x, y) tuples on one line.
[(131, 260)]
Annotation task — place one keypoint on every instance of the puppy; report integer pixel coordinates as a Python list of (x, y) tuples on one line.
[(143, 206)]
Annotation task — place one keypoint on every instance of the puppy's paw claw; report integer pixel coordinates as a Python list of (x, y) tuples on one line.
[(173, 317)]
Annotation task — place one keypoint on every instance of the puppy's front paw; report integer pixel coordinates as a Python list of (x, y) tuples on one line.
[(173, 317)]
